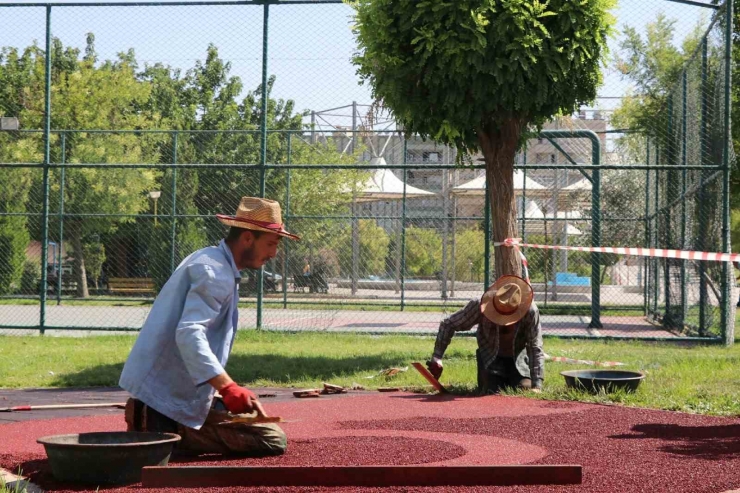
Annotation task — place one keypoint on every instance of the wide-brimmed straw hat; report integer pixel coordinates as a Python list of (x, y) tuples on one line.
[(507, 300), (258, 215)]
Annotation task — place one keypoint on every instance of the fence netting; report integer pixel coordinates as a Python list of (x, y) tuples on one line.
[(152, 135)]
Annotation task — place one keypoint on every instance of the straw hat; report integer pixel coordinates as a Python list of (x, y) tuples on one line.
[(507, 300), (258, 215)]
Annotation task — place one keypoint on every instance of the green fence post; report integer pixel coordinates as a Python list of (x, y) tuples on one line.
[(646, 260), (668, 318), (524, 197), (728, 326), (684, 283), (487, 238), (173, 212), (45, 179), (263, 143), (285, 220), (656, 264), (63, 137), (705, 159), (403, 227), (595, 233)]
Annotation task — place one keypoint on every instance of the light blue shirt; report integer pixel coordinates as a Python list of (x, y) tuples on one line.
[(187, 337)]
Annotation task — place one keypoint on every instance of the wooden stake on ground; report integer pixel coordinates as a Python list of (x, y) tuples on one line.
[(371, 476), (51, 407), (430, 378)]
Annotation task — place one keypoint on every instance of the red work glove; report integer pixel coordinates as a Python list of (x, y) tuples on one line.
[(435, 367), (238, 400)]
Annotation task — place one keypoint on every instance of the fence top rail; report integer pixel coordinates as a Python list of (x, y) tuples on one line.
[(572, 134), (173, 4)]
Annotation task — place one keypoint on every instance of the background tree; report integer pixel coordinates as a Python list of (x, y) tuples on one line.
[(423, 251), (476, 74), (86, 95), (374, 243), (16, 72), (469, 255)]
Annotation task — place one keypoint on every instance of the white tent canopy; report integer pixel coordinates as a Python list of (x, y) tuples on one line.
[(579, 186), (384, 185), (534, 220), (477, 186)]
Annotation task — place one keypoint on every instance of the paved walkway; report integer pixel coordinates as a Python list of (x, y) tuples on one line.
[(84, 319)]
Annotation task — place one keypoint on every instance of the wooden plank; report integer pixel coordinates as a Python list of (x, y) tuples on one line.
[(428, 375), (371, 476)]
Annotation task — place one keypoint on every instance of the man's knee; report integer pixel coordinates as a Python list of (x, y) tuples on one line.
[(273, 438)]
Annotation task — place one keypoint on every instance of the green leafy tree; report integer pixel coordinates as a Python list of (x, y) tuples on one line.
[(477, 73), (94, 254), (87, 95), (374, 243), (423, 251), (205, 98), (653, 63), (16, 72), (469, 255)]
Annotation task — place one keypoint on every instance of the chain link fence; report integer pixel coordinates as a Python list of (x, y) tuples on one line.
[(148, 137)]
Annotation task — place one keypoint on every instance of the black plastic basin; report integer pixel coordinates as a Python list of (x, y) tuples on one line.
[(607, 380), (106, 457)]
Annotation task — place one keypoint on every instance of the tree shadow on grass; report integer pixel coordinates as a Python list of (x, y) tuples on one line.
[(706, 442), (281, 369)]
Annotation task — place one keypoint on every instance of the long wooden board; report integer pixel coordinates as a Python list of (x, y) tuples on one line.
[(377, 476)]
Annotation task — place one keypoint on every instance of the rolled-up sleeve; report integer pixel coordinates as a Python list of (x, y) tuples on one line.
[(464, 319), (203, 304), (535, 354)]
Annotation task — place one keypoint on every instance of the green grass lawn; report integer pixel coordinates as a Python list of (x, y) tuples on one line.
[(698, 378)]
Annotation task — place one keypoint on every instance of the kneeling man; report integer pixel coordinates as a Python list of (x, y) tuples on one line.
[(177, 363), (509, 337)]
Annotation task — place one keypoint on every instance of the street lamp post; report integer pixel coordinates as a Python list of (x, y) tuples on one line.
[(154, 195)]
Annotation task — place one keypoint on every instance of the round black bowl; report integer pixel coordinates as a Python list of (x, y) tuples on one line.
[(106, 457), (607, 380)]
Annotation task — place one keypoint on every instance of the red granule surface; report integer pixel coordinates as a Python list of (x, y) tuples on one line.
[(621, 449)]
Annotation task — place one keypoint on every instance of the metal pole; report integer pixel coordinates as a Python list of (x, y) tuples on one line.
[(403, 227), (596, 234), (355, 245), (684, 283), (313, 127), (45, 180), (524, 198), (285, 220), (63, 138), (728, 326), (445, 230), (173, 212), (263, 140), (703, 219), (354, 126), (487, 238), (556, 226), (656, 234), (668, 318), (646, 261)]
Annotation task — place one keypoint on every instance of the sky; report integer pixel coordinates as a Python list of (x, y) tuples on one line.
[(309, 51)]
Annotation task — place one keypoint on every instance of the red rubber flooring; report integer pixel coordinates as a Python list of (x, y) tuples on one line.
[(621, 449)]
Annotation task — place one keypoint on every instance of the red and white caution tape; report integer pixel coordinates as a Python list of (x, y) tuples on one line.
[(562, 359), (639, 252)]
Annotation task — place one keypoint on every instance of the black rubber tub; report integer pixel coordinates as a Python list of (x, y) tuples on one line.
[(607, 380), (106, 457)]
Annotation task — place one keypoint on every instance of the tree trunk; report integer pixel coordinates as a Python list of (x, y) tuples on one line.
[(499, 146), (79, 265)]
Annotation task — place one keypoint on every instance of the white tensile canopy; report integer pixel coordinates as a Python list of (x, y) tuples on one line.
[(384, 185), (477, 186)]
